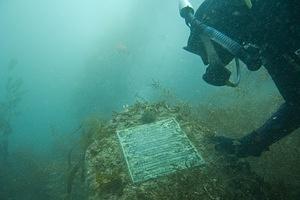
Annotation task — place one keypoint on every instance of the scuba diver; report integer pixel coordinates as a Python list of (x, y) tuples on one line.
[(259, 33)]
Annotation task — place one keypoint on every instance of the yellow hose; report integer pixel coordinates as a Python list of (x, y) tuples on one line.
[(248, 3)]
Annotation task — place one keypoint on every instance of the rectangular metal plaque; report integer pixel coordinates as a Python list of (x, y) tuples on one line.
[(157, 149)]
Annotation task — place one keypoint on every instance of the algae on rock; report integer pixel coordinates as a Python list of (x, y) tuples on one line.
[(223, 177)]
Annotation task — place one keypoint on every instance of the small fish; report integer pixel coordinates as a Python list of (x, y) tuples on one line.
[(122, 49), (248, 3)]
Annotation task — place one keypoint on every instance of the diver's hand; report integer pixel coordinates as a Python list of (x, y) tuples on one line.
[(224, 144), (235, 147), (216, 75)]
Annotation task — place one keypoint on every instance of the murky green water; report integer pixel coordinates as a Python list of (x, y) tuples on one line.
[(72, 72)]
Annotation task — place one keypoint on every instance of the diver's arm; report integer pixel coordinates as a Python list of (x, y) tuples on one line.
[(281, 124)]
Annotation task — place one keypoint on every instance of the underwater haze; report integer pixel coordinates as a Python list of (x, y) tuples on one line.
[(77, 58), (66, 62)]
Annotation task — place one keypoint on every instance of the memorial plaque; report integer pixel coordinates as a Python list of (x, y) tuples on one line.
[(157, 149)]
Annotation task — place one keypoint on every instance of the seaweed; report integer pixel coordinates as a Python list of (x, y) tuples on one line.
[(163, 93), (110, 182), (89, 129), (148, 117), (72, 174), (9, 108), (222, 177), (26, 177)]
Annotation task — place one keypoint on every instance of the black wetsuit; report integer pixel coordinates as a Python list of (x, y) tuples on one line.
[(273, 26)]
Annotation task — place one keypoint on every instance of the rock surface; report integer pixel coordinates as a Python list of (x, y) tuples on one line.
[(222, 177)]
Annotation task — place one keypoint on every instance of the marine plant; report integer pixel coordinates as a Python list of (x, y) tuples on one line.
[(148, 117), (163, 93), (9, 106), (222, 177), (89, 130), (26, 177)]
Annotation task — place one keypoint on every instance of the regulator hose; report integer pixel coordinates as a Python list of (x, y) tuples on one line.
[(238, 74), (216, 74), (252, 61)]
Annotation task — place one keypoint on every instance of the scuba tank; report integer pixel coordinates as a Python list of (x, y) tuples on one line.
[(216, 73)]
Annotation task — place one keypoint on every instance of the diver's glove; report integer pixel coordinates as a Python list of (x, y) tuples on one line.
[(216, 75), (241, 148), (252, 58)]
